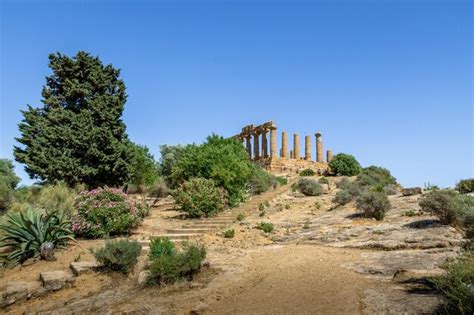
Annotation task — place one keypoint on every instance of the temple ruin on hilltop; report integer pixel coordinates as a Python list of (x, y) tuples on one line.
[(283, 160)]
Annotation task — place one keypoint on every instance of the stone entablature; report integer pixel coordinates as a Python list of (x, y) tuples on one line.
[(282, 160)]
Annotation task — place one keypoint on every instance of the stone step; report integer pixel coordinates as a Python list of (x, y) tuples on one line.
[(205, 226), (190, 230), (177, 237)]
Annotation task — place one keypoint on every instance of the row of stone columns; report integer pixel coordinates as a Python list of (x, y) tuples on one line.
[(295, 153)]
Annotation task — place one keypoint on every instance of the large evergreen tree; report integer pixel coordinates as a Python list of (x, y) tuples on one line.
[(78, 135)]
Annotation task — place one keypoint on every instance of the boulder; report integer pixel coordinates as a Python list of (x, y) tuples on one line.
[(19, 290), (80, 267), (143, 277), (55, 280), (412, 191)]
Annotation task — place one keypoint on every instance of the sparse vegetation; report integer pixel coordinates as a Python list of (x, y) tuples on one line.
[(281, 180), (307, 172), (118, 255), (428, 186), (450, 207), (374, 204), (306, 225), (25, 234), (308, 187), (183, 264), (323, 180), (230, 233), (456, 286), (240, 217), (265, 227), (345, 165), (411, 213), (465, 186), (261, 181), (160, 246), (200, 197)]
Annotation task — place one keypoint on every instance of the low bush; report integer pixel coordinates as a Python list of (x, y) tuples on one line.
[(103, 212), (160, 246), (323, 180), (158, 189), (456, 286), (261, 181), (465, 186), (281, 180), (229, 233), (375, 176), (118, 255), (445, 204), (200, 197), (345, 165), (25, 234), (240, 217), (183, 264), (308, 187), (265, 227), (343, 197), (374, 204), (307, 172), (390, 190)]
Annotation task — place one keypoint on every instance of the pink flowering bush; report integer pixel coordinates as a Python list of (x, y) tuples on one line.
[(103, 212)]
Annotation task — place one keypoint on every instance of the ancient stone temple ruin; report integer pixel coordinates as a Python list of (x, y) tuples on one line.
[(255, 139)]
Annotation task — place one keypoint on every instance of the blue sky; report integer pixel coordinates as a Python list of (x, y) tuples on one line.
[(387, 81)]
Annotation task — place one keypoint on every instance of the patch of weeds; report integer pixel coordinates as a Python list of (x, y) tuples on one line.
[(265, 227), (261, 207), (230, 233), (279, 207), (266, 204), (411, 213), (262, 214), (287, 206), (306, 225), (317, 205), (240, 217)]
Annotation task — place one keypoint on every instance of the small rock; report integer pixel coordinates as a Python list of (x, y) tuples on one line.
[(55, 280), (143, 277), (412, 191), (19, 290), (80, 267)]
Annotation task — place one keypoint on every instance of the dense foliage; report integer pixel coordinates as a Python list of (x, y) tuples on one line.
[(376, 177), (374, 204), (160, 246), (344, 164), (177, 265), (223, 160), (25, 234), (308, 187), (456, 286), (103, 212), (169, 155), (8, 182), (307, 172), (465, 186), (77, 135), (118, 255), (200, 197), (143, 170), (265, 227), (261, 181)]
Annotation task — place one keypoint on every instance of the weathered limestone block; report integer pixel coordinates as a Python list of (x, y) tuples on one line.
[(264, 144), (284, 145), (143, 277), (80, 267), (248, 146), (296, 146), (273, 142), (55, 280), (256, 146), (412, 191), (319, 148), (19, 290), (328, 156), (307, 148)]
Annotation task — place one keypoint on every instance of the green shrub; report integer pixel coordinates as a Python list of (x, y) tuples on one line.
[(103, 212), (261, 181), (223, 160), (281, 180), (390, 190), (308, 187), (230, 233), (456, 286), (200, 197), (465, 186), (375, 176), (344, 164), (265, 227), (118, 255), (343, 197), (349, 191), (374, 204), (307, 172), (8, 182), (143, 170), (6, 196), (240, 217), (25, 233), (170, 268), (446, 205), (160, 246), (158, 189), (323, 180)]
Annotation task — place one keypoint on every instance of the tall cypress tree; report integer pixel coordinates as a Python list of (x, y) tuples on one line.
[(77, 135)]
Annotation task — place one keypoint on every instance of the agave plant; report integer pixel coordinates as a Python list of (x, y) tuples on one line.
[(25, 234)]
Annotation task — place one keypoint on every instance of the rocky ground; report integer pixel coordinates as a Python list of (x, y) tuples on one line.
[(319, 259)]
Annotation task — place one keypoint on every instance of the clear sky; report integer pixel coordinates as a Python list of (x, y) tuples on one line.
[(387, 81)]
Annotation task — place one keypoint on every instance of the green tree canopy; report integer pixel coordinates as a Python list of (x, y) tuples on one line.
[(8, 182), (78, 135), (143, 169)]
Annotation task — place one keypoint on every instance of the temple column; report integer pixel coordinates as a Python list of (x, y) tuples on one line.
[(256, 145), (319, 148), (307, 148), (248, 146), (296, 146), (328, 156), (264, 144), (273, 143), (284, 145)]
